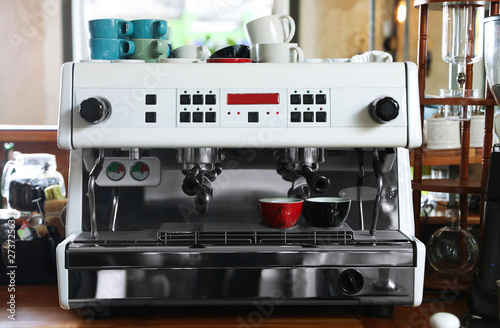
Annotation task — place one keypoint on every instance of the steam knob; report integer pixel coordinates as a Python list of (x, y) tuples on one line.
[(384, 109), (94, 110), (351, 281)]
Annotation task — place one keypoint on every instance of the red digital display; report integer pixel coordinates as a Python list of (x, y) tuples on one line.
[(253, 98)]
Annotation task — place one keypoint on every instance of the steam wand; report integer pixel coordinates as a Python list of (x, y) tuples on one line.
[(360, 182), (94, 173), (377, 169)]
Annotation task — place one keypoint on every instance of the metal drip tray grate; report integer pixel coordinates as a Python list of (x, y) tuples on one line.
[(221, 238)]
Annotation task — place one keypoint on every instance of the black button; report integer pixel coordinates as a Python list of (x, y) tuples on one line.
[(320, 99), (210, 99), (198, 100), (295, 99), (198, 117), (308, 117), (210, 117), (185, 99), (150, 99), (150, 117), (253, 117), (308, 99), (185, 117), (296, 117), (320, 116)]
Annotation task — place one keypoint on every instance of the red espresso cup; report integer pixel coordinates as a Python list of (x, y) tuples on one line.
[(280, 212)]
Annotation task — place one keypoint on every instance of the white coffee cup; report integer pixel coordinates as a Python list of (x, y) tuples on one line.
[(278, 53), (270, 29), (313, 60), (193, 52)]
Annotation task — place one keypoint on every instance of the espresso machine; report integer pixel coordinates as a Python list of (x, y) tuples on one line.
[(168, 162)]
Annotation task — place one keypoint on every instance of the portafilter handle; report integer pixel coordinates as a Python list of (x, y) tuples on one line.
[(318, 182), (191, 185)]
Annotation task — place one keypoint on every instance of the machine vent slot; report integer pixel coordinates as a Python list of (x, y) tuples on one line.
[(221, 238)]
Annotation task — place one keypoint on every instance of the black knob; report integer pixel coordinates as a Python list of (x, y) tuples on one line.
[(351, 281), (94, 110), (384, 109)]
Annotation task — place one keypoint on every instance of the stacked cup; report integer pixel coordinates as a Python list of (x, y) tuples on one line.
[(270, 37), (108, 39), (150, 38)]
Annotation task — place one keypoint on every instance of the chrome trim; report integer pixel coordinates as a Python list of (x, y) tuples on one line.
[(123, 255), (229, 285)]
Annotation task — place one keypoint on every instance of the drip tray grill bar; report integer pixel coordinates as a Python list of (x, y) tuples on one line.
[(221, 238)]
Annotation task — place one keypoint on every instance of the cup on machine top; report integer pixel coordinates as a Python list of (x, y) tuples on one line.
[(150, 50), (111, 28), (234, 51), (110, 49), (149, 29), (278, 53), (270, 29), (192, 52)]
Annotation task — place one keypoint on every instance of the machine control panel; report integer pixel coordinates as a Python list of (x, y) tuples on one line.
[(197, 108), (269, 106), (308, 107)]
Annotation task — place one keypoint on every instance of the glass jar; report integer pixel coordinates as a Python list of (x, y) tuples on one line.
[(451, 249), (30, 179)]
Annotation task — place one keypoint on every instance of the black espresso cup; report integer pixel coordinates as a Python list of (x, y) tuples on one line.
[(236, 51), (327, 211)]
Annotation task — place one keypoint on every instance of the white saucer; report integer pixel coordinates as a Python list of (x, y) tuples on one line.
[(128, 61), (181, 60), (95, 61)]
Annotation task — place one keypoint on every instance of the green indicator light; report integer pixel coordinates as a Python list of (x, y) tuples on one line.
[(210, 91), (198, 91), (185, 109), (295, 108), (320, 91), (308, 108), (197, 109), (185, 91), (295, 91), (307, 91)]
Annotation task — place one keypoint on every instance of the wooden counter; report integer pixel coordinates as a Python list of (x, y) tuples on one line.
[(37, 306)]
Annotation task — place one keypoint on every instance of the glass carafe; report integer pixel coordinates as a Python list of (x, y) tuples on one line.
[(451, 249), (30, 179), (492, 54)]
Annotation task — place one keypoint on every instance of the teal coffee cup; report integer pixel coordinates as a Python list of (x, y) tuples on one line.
[(110, 28), (149, 29), (110, 49), (150, 50)]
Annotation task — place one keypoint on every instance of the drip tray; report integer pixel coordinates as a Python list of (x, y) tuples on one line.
[(216, 234), (219, 238)]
